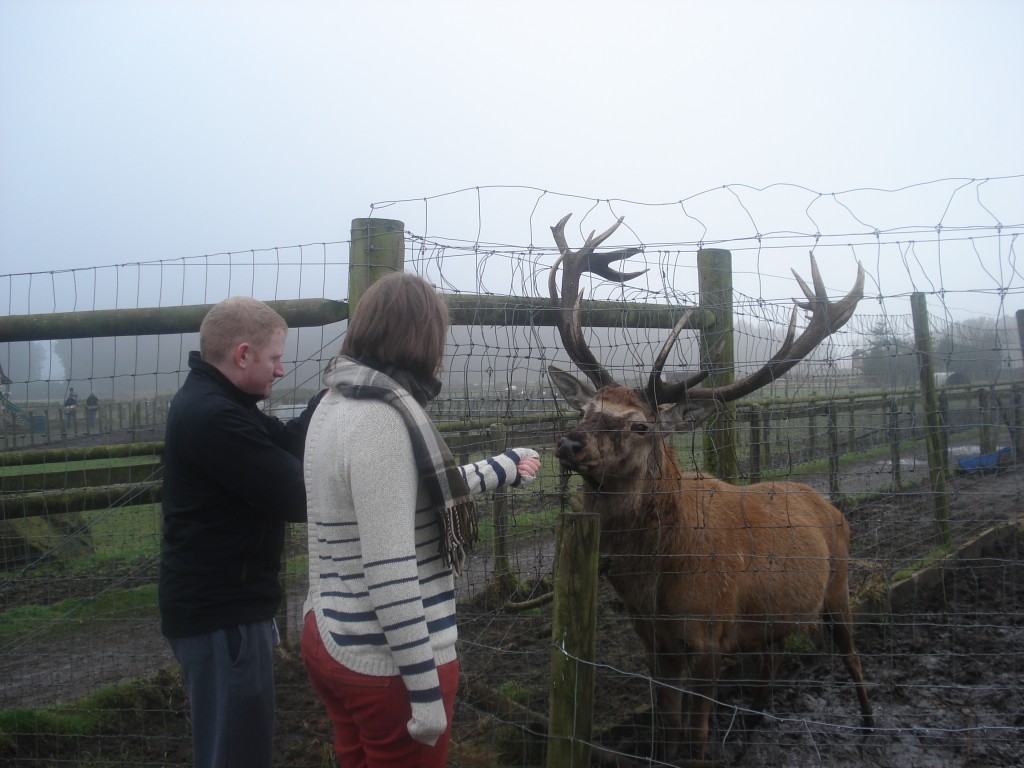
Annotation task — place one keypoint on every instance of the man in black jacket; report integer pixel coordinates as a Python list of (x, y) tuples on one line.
[(232, 478)]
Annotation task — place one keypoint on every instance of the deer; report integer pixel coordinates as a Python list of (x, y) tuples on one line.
[(704, 568)]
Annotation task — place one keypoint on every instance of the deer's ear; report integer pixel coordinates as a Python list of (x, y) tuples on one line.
[(685, 416), (576, 392)]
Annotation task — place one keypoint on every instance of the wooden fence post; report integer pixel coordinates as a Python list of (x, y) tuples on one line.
[(933, 419), (1020, 330), (377, 249), (891, 414), (573, 640), (714, 276), (756, 440), (944, 421), (499, 545), (1017, 430), (851, 429), (986, 440), (833, 451)]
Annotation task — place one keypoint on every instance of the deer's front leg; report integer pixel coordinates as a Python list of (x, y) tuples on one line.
[(668, 670), (703, 679)]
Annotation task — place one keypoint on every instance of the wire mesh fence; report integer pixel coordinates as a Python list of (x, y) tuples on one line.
[(86, 678)]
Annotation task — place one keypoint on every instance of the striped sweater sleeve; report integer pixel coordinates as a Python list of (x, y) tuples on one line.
[(490, 474)]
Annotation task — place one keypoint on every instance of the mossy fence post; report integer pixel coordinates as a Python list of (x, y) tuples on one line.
[(1012, 413), (851, 425), (833, 451), (377, 248), (891, 414), (714, 276), (503, 577), (937, 460), (1016, 418), (987, 439), (573, 640), (1020, 329), (756, 442)]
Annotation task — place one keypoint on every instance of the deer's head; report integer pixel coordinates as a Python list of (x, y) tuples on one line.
[(617, 445), (617, 441)]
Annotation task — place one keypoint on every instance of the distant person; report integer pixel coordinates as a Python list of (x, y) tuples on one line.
[(70, 406), (92, 409), (232, 479), (390, 519)]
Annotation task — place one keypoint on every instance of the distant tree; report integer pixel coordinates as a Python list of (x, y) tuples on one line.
[(888, 358), (24, 360)]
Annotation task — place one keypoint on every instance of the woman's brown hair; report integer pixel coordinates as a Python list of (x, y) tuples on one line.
[(400, 320)]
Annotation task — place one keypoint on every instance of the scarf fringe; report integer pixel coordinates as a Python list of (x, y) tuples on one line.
[(459, 531)]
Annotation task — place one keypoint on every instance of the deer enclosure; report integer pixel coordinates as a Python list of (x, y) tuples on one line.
[(778, 520)]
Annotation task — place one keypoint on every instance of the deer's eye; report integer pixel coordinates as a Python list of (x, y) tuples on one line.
[(639, 428)]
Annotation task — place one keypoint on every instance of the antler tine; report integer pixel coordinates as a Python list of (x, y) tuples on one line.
[(836, 319), (658, 391), (593, 242), (574, 264), (827, 317)]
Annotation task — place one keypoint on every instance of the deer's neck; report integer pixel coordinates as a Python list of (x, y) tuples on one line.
[(650, 515), (647, 533)]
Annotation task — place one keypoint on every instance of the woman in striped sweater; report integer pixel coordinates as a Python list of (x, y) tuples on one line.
[(390, 518)]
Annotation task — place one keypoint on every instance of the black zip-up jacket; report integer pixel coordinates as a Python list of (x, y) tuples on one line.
[(232, 478)]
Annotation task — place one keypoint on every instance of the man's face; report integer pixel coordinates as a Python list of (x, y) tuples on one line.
[(260, 367)]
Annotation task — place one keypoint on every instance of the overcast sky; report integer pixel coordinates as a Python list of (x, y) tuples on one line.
[(160, 130)]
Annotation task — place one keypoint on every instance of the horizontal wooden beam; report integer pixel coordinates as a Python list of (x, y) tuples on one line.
[(465, 309), (101, 323), (14, 506), (35, 456)]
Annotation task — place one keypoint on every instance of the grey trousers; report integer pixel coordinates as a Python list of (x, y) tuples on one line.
[(229, 676)]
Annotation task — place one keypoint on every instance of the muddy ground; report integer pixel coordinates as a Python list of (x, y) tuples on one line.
[(946, 671)]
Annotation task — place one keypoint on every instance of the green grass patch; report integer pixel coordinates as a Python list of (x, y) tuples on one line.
[(919, 565), (77, 466), (800, 643), (61, 723), (520, 523), (66, 617), (117, 534), (514, 692), (124, 533), (100, 712)]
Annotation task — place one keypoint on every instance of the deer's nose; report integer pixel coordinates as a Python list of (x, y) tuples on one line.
[(568, 447)]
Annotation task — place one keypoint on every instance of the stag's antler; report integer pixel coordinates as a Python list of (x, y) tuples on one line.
[(827, 317), (574, 264)]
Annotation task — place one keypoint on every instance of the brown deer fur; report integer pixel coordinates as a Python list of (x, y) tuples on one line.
[(705, 568)]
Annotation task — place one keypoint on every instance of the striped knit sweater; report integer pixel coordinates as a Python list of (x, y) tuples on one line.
[(384, 602)]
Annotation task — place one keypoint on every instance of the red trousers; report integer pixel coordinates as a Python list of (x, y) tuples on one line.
[(370, 714)]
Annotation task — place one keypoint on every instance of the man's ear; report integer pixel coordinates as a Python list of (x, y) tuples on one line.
[(242, 355)]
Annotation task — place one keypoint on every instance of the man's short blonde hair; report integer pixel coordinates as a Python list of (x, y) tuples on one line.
[(233, 321)]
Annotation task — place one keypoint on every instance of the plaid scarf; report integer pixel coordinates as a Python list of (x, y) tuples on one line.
[(449, 494)]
